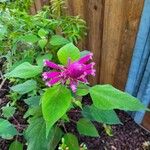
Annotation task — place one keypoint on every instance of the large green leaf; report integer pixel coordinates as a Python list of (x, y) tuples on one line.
[(106, 97), (57, 40), (7, 130), (28, 59), (35, 135), (68, 51), (103, 116), (71, 141), (25, 87), (86, 127), (16, 145), (55, 102), (24, 71), (55, 137)]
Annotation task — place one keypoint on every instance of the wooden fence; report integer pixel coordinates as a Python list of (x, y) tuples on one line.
[(112, 27)]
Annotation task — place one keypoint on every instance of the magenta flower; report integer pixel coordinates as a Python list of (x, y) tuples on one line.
[(71, 74)]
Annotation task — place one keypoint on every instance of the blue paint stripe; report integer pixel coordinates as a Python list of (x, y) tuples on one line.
[(138, 83)]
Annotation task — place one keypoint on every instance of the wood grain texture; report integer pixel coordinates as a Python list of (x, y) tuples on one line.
[(38, 4), (33, 9), (94, 18), (45, 2), (76, 7), (121, 19), (127, 40)]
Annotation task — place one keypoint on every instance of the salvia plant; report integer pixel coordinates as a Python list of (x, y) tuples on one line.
[(53, 83)]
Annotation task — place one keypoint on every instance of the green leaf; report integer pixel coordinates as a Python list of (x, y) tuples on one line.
[(35, 135), (65, 118), (103, 116), (82, 90), (106, 97), (55, 102), (30, 38), (78, 103), (7, 130), (33, 101), (68, 51), (71, 141), (86, 127), (42, 32), (8, 111), (40, 59), (25, 87), (42, 43), (30, 60), (55, 137), (16, 145), (3, 31), (24, 71), (58, 40), (33, 111)]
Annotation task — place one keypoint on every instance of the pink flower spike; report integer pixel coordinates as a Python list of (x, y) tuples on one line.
[(47, 75), (86, 58), (52, 65), (71, 74)]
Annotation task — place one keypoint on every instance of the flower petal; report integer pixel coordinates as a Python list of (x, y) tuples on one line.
[(52, 65), (53, 81), (90, 72), (89, 66), (47, 75), (86, 58), (73, 85)]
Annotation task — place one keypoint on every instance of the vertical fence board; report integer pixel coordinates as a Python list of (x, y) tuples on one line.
[(121, 19), (111, 37), (132, 12), (33, 9), (94, 18), (38, 4)]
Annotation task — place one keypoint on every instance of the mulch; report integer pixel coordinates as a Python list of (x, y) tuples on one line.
[(128, 136)]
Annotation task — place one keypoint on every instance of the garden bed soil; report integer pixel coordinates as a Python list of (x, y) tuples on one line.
[(128, 136)]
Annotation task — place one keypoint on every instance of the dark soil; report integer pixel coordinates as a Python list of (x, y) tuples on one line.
[(17, 120), (128, 136)]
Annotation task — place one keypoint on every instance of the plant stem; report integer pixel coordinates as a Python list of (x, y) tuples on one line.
[(2, 83)]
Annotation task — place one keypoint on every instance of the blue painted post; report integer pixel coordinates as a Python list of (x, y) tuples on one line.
[(138, 83)]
